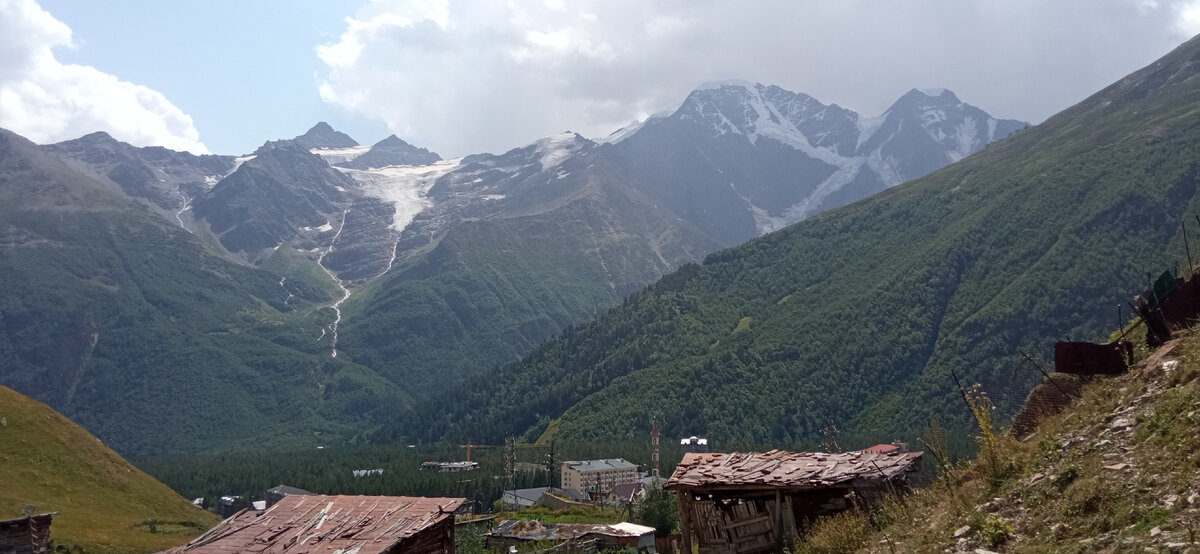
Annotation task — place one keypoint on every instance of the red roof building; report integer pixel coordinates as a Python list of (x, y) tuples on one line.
[(300, 524), (882, 448)]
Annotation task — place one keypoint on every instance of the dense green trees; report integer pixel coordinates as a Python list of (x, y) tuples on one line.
[(856, 317)]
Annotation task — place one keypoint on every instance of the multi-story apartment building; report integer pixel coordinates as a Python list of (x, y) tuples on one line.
[(598, 475)]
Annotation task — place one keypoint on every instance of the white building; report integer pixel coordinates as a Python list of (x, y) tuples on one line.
[(694, 444), (598, 475)]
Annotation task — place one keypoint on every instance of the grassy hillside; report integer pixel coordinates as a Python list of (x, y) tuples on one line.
[(104, 503), (1116, 472), (857, 316)]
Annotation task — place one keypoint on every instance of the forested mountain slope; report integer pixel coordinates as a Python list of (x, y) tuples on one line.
[(857, 316), (129, 325), (176, 303), (491, 278), (103, 502)]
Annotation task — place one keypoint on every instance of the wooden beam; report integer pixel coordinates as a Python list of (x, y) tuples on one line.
[(685, 517), (778, 520), (765, 518)]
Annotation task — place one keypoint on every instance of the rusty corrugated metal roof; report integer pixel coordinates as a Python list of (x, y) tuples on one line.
[(782, 469), (300, 524), (882, 448)]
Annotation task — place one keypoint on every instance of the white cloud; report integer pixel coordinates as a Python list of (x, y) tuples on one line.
[(48, 101), (466, 76), (1188, 22)]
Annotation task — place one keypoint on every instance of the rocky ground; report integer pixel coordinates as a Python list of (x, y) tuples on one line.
[(1118, 471)]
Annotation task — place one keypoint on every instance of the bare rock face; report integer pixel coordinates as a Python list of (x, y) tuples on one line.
[(391, 151), (740, 159), (283, 193), (323, 136), (166, 178), (366, 244)]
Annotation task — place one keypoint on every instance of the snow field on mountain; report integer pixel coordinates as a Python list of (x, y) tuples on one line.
[(405, 186)]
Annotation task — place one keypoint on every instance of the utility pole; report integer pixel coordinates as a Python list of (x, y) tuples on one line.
[(551, 466), (654, 446), (510, 458)]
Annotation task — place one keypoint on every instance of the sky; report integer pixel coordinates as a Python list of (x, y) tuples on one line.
[(470, 76)]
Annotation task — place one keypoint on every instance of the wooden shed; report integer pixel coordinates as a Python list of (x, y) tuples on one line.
[(754, 501), (26, 535), (513, 532), (300, 524)]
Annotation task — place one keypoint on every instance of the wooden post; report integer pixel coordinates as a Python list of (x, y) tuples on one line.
[(685, 519), (778, 520)]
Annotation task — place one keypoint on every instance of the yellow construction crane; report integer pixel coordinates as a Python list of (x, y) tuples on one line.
[(471, 445)]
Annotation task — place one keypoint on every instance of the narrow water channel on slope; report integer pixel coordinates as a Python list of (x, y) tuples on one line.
[(337, 305)]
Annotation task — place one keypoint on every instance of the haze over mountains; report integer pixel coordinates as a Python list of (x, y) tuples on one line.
[(856, 318), (248, 274)]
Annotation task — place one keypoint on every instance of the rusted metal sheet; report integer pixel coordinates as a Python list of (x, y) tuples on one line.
[(1089, 358), (314, 524), (788, 470)]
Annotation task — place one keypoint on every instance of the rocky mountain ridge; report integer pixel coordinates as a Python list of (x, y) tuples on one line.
[(859, 315), (742, 159), (422, 275)]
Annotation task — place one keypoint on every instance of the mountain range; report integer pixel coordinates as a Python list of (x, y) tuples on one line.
[(314, 288), (860, 318)]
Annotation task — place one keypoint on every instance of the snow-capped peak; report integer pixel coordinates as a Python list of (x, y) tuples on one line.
[(938, 95), (737, 83), (628, 130), (556, 148)]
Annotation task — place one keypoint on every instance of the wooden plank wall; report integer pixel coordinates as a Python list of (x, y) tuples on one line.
[(741, 527), (436, 539), (26, 535)]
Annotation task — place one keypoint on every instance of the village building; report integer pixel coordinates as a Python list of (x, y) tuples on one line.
[(229, 505), (26, 535), (449, 466), (310, 524), (752, 502), (276, 494), (522, 498), (598, 476), (582, 536), (899, 447), (625, 494), (694, 444), (542, 496)]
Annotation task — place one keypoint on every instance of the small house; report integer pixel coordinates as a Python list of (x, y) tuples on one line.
[(583, 536), (26, 535), (228, 505), (276, 494), (899, 447), (522, 498), (753, 501), (317, 523), (694, 444), (449, 466)]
